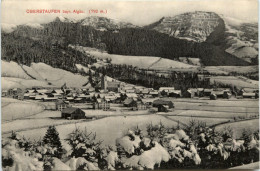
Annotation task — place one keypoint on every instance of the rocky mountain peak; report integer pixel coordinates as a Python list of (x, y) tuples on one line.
[(104, 24), (64, 19), (194, 26)]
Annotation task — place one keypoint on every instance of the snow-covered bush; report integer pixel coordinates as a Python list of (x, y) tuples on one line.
[(85, 145), (21, 160), (194, 147), (138, 152), (156, 132)]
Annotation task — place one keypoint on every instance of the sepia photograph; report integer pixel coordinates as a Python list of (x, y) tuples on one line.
[(129, 85)]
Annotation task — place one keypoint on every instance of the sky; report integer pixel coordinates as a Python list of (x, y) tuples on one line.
[(136, 12)]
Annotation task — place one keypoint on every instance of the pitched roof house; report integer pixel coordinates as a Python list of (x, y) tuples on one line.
[(73, 113)]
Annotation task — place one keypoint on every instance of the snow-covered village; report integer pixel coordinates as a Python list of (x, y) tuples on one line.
[(99, 92)]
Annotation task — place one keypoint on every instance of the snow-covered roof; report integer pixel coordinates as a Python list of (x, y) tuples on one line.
[(166, 88), (248, 94), (59, 91), (131, 95)]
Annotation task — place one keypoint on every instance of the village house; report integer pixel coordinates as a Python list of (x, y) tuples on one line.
[(190, 93), (70, 99), (166, 89), (130, 91), (131, 95), (175, 93), (15, 92), (158, 102), (154, 93), (138, 89), (83, 96), (40, 96), (32, 96), (26, 96), (200, 92), (213, 97), (207, 92), (37, 87), (145, 91), (60, 105), (129, 102), (163, 108), (227, 95), (49, 93), (247, 92), (79, 100), (163, 93), (139, 105), (218, 93), (41, 91), (72, 113), (101, 104), (50, 99), (110, 98), (127, 87), (57, 95), (163, 105), (249, 95), (4, 93), (113, 86)]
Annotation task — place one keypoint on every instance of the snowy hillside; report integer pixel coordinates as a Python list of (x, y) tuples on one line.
[(8, 28), (38, 74), (242, 38), (137, 61)]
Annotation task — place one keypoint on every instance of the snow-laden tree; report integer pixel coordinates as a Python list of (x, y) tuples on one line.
[(18, 159), (86, 146), (52, 139)]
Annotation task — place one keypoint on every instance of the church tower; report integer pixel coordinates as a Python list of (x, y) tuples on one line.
[(104, 83)]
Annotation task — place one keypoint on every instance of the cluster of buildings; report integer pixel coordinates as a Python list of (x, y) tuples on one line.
[(224, 93), (112, 91)]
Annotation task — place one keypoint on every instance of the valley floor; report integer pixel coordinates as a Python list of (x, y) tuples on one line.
[(110, 125)]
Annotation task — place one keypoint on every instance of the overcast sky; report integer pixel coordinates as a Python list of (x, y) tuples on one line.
[(139, 13)]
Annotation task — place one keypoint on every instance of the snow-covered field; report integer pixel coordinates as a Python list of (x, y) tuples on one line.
[(46, 114), (215, 108), (100, 113), (240, 69), (227, 69), (208, 121), (163, 63), (239, 82), (33, 123), (238, 127), (18, 109), (107, 129), (215, 114), (116, 123)]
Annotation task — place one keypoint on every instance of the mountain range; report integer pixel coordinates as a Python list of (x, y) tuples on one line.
[(215, 39)]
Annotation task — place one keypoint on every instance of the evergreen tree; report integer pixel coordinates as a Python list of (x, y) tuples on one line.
[(52, 139)]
